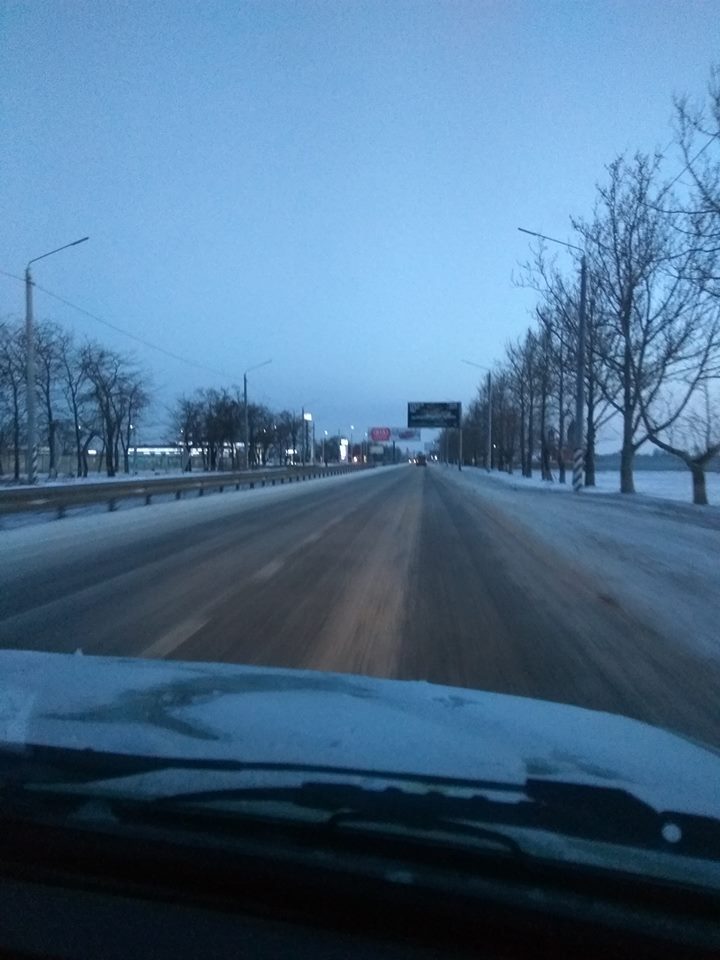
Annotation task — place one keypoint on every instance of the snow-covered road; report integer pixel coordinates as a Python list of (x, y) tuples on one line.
[(406, 573)]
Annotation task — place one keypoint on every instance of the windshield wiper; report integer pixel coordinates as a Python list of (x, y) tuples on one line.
[(600, 814), (596, 813)]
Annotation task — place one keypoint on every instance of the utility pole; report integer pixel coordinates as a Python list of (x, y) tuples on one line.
[(32, 453), (579, 451), (488, 449), (304, 435), (247, 428), (489, 423), (245, 404)]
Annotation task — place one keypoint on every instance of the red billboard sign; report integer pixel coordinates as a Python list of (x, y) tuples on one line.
[(386, 434)]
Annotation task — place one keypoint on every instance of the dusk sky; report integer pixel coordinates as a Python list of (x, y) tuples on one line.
[(336, 186)]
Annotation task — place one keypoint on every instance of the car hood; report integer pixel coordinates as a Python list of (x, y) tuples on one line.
[(262, 715)]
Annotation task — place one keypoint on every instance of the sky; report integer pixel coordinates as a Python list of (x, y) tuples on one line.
[(335, 186)]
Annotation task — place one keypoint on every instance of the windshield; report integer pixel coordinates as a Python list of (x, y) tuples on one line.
[(360, 413)]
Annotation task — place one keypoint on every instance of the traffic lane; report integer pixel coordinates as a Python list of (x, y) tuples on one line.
[(400, 575), (432, 585), (491, 606), (81, 552), (129, 598), (335, 604)]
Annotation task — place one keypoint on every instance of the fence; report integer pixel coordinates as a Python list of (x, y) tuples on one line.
[(59, 498)]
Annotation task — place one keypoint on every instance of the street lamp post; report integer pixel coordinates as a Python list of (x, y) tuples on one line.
[(245, 404), (324, 441), (489, 448), (579, 452), (31, 454), (133, 443), (308, 419)]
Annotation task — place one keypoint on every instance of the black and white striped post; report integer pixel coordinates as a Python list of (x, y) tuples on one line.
[(579, 451)]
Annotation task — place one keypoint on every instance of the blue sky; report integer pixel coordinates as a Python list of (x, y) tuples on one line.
[(333, 185)]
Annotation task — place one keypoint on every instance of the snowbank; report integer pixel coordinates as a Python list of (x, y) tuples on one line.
[(658, 558), (673, 485)]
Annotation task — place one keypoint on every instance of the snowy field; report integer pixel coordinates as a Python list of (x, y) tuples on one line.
[(666, 484), (656, 558)]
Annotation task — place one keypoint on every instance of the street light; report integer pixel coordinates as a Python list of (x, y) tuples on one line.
[(307, 418), (489, 448), (245, 401), (133, 443), (324, 441), (31, 455), (578, 453)]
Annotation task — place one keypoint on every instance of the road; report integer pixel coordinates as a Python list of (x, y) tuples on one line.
[(394, 574)]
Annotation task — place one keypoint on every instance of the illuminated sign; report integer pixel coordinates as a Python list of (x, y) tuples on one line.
[(391, 434), (428, 414)]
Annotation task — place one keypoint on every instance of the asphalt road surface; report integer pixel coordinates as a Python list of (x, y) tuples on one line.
[(395, 574)]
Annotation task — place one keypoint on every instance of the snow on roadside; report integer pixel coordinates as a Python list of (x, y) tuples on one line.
[(673, 485), (93, 478), (656, 558), (131, 526)]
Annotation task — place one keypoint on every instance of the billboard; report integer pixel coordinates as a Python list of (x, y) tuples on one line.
[(392, 434), (428, 414)]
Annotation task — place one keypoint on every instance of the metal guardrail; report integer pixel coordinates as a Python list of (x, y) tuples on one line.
[(59, 498)]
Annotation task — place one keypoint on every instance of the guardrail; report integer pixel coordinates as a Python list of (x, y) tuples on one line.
[(60, 498)]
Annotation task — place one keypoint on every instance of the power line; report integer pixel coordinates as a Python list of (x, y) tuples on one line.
[(126, 333)]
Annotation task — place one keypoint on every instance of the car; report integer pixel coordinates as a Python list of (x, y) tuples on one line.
[(421, 460), (206, 805)]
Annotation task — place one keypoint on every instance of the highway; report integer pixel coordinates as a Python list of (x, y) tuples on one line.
[(396, 573)]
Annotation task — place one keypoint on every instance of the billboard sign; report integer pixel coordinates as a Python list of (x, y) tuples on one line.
[(392, 434), (427, 414)]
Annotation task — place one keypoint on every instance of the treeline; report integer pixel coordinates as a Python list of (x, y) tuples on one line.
[(212, 421), (652, 349), (87, 395)]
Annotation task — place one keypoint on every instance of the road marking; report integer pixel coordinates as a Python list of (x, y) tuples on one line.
[(174, 638), (269, 570), (274, 566)]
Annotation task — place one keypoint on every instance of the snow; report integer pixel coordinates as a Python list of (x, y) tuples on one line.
[(28, 543), (656, 557), (666, 484), (93, 478), (269, 716)]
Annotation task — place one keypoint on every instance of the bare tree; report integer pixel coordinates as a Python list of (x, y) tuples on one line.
[(695, 123), (110, 375), (79, 400), (187, 427), (560, 307), (287, 430), (12, 383), (692, 434), (648, 303), (50, 345), (133, 400), (518, 384)]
